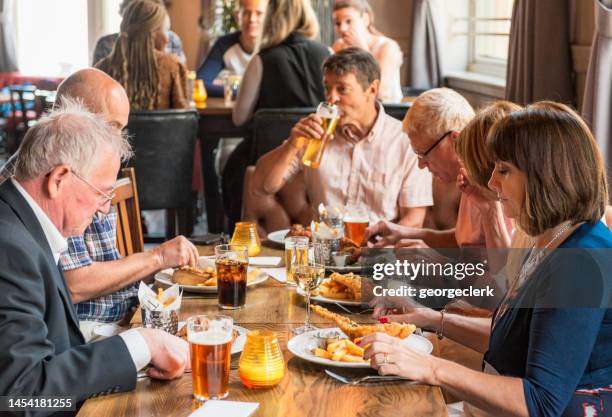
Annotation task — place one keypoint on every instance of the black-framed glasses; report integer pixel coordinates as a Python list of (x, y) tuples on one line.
[(106, 197), (423, 155)]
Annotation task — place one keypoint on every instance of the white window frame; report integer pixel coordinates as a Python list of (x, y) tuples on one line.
[(486, 66)]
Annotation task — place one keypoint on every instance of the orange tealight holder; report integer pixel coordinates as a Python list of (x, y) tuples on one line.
[(245, 234), (199, 94), (261, 362)]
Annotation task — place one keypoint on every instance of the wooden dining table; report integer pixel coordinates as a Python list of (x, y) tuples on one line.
[(305, 390)]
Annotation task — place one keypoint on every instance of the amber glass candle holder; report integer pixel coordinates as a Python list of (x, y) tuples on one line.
[(261, 362), (245, 234), (199, 94)]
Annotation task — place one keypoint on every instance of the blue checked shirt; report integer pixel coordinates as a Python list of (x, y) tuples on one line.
[(98, 244)]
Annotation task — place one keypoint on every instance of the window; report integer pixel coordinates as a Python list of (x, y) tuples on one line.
[(488, 36), (478, 35), (54, 38), (51, 36)]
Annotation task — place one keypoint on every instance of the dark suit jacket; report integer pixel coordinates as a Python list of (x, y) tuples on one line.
[(42, 351)]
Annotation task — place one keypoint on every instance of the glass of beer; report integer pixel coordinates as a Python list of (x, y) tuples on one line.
[(308, 278), (231, 262), (355, 224), (210, 344), (329, 113), (296, 253)]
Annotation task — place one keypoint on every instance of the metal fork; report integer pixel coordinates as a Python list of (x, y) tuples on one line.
[(367, 378), (351, 312), (343, 308)]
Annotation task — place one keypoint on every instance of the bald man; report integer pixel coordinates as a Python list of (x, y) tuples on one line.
[(232, 52), (101, 283)]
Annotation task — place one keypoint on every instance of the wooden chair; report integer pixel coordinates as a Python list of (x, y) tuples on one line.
[(163, 142), (125, 202)]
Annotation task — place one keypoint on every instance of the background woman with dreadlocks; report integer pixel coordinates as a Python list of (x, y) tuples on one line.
[(153, 79)]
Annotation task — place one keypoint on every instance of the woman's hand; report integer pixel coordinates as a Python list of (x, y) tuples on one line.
[(404, 310), (390, 357), (385, 306), (354, 38), (422, 317), (485, 204)]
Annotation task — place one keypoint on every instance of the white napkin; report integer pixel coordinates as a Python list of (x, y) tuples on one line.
[(265, 261), (279, 274), (147, 298), (321, 231), (216, 408)]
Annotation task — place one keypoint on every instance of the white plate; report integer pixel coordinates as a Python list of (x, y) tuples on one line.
[(302, 344), (278, 236), (265, 261), (165, 277), (327, 300), (238, 344), (108, 330)]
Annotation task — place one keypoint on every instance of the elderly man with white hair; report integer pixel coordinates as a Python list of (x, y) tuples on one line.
[(64, 173), (433, 124)]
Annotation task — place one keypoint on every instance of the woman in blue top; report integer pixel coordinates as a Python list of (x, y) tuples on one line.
[(549, 344)]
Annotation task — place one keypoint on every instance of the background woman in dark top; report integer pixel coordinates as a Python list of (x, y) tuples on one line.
[(287, 72), (546, 358)]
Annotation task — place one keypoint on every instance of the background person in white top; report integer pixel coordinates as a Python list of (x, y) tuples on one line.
[(354, 24)]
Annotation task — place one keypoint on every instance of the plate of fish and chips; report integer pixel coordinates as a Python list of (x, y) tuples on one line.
[(338, 288), (203, 278), (339, 346)]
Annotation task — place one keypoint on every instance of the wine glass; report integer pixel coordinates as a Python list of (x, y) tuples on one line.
[(308, 277)]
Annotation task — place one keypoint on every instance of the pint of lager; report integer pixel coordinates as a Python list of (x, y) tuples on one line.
[(355, 224), (210, 343), (316, 146)]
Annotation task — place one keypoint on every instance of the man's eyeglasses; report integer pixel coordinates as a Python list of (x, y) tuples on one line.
[(423, 155), (106, 197)]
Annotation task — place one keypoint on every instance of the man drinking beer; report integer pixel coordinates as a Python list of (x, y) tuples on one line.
[(367, 161)]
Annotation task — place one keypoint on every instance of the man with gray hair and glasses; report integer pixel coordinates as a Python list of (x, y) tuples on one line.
[(433, 124), (64, 173), (103, 285)]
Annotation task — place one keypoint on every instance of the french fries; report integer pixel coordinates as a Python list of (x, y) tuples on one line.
[(331, 289), (160, 295), (342, 350), (341, 287)]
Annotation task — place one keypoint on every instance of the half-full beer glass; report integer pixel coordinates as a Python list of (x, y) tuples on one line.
[(329, 113), (210, 343)]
